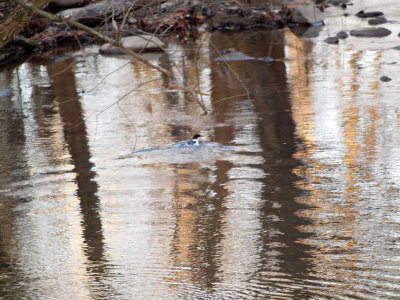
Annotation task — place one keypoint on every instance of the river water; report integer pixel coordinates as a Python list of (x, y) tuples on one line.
[(307, 204)]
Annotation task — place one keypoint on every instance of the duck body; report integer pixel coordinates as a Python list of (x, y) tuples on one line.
[(194, 142), (189, 144)]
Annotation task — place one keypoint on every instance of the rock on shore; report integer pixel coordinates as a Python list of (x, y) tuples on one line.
[(137, 43), (307, 15)]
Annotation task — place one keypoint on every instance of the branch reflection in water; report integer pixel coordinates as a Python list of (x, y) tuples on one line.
[(293, 194)]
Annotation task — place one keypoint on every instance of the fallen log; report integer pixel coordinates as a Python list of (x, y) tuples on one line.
[(16, 21), (95, 13)]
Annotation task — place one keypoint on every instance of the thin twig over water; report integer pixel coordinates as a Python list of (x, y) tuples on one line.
[(116, 43)]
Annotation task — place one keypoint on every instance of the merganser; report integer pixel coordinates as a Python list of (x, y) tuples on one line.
[(194, 141), (180, 151)]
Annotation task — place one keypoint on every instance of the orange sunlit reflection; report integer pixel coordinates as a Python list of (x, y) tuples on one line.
[(338, 175)]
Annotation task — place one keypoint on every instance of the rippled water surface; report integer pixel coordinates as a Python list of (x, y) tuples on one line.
[(303, 203)]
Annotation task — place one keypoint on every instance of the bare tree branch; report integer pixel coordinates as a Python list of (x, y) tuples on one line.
[(115, 42)]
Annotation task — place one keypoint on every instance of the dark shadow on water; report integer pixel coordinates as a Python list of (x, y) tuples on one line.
[(64, 89), (280, 238), (13, 168)]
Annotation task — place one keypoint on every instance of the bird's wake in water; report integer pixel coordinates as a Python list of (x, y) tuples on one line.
[(182, 152)]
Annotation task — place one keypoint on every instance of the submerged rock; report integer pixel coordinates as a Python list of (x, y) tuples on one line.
[(342, 35), (332, 40), (137, 43), (385, 79), (307, 15), (371, 14), (377, 21), (371, 32)]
